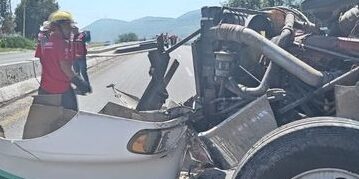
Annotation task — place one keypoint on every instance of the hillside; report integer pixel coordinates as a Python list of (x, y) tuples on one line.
[(109, 29)]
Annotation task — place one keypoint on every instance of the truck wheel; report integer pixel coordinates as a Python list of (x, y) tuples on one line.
[(316, 148)]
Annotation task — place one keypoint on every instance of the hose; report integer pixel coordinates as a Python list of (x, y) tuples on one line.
[(279, 56), (282, 40)]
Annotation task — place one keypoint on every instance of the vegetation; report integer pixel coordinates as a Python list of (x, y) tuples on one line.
[(257, 4), (16, 42), (36, 12), (128, 37), (6, 19)]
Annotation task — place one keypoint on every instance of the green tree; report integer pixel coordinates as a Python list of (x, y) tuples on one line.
[(272, 3), (257, 4), (36, 12), (4, 8), (8, 25), (128, 37), (294, 2), (250, 4), (6, 20)]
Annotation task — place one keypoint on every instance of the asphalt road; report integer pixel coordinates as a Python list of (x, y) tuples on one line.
[(131, 76), (13, 57)]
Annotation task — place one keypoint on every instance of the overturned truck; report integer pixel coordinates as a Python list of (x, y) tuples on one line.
[(277, 97), (308, 76), (277, 94)]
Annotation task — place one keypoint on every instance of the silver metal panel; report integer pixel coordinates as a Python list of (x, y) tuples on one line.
[(229, 141), (347, 102)]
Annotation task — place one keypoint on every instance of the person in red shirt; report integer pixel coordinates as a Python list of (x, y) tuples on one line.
[(42, 38), (56, 60), (2, 132), (79, 44)]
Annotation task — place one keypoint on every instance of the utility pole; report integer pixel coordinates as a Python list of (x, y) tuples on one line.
[(10, 7), (24, 19)]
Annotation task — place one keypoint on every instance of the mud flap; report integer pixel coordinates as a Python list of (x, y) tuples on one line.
[(229, 141)]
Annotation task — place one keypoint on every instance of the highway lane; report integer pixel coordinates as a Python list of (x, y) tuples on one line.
[(13, 57), (131, 76), (18, 56)]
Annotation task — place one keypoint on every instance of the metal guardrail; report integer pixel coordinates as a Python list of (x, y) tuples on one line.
[(116, 46)]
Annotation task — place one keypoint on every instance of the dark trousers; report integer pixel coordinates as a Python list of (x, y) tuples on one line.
[(80, 67), (68, 99)]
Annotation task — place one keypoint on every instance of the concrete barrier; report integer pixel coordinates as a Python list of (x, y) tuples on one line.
[(17, 90), (18, 72)]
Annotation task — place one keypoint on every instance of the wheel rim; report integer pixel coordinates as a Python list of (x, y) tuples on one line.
[(327, 173)]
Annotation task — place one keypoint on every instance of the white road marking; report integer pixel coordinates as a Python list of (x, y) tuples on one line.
[(189, 72)]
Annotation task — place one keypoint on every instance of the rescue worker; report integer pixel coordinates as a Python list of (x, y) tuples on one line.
[(173, 40), (43, 36), (161, 43), (166, 40), (56, 60), (2, 132), (80, 52)]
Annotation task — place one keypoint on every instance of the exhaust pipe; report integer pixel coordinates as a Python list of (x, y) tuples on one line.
[(281, 40), (284, 59)]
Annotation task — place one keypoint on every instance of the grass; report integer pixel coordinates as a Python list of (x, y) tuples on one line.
[(13, 43), (3, 50), (92, 45)]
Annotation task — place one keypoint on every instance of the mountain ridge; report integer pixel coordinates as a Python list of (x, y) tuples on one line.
[(108, 29)]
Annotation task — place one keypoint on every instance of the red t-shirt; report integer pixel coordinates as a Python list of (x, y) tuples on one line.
[(42, 38), (79, 45), (56, 49)]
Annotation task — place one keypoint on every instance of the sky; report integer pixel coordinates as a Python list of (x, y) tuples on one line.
[(87, 11)]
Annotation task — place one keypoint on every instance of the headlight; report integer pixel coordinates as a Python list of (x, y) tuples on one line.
[(153, 141)]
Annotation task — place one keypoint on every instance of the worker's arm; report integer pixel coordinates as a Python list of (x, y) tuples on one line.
[(82, 86), (66, 63), (66, 67), (64, 53)]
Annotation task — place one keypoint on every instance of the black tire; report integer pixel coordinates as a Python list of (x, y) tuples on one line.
[(305, 145)]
